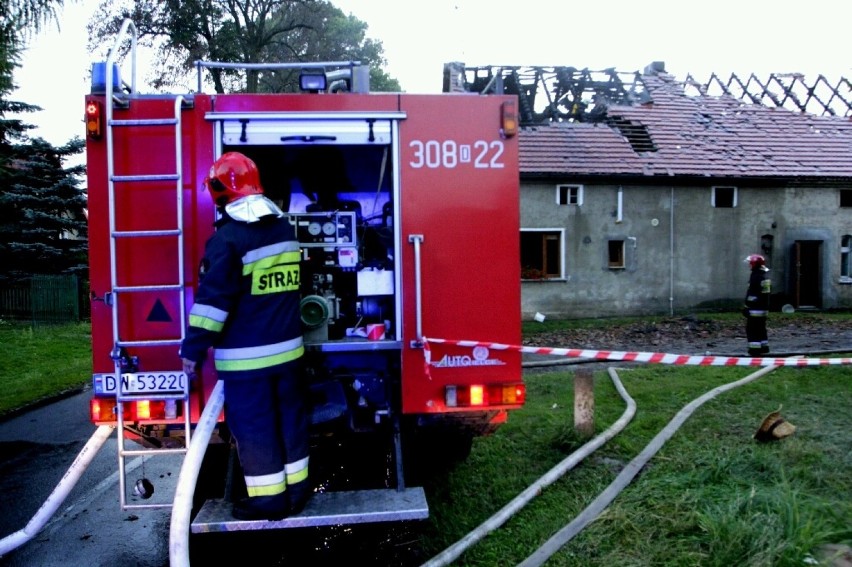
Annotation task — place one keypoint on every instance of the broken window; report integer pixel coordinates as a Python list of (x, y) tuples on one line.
[(569, 195), (616, 253), (846, 258), (724, 197), (541, 254), (635, 133)]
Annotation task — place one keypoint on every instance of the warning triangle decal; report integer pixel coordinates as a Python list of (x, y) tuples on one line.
[(159, 314)]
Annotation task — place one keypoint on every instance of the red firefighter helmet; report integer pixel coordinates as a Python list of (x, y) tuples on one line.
[(756, 260), (231, 177)]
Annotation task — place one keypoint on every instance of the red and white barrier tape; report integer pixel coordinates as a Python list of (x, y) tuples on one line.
[(649, 357)]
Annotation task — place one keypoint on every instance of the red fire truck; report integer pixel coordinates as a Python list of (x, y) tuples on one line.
[(406, 209)]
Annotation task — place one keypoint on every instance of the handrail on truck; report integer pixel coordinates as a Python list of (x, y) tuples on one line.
[(113, 54), (348, 71)]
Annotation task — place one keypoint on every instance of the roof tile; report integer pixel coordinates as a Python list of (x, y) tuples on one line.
[(718, 136)]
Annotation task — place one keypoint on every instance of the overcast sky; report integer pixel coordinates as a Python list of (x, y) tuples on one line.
[(419, 36)]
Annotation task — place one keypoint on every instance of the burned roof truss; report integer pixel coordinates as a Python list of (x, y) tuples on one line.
[(782, 90), (568, 94), (551, 94)]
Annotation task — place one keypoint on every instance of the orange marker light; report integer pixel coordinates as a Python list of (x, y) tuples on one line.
[(509, 120)]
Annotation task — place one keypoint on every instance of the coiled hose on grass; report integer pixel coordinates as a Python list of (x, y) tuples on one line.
[(571, 461), (629, 472)]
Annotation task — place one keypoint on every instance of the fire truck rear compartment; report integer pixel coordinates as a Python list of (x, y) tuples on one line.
[(340, 202), (338, 190)]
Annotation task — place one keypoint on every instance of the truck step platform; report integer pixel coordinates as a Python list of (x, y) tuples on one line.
[(323, 509)]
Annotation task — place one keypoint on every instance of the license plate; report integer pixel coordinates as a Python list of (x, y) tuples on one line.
[(153, 382)]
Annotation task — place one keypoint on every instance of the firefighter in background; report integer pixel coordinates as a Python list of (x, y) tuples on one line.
[(247, 310), (757, 306)]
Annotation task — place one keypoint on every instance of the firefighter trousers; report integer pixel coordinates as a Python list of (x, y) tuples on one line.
[(269, 418), (758, 341)]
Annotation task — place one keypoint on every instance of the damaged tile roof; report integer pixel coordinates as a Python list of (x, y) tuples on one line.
[(676, 134)]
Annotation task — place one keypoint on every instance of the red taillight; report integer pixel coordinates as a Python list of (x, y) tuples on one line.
[(478, 395), (93, 119), (101, 409), (104, 410), (143, 410)]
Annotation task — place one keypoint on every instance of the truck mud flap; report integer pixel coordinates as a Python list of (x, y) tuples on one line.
[(324, 509)]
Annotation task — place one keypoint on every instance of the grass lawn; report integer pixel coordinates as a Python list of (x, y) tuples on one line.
[(712, 496), (39, 362)]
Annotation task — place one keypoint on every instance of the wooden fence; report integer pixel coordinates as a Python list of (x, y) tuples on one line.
[(46, 300)]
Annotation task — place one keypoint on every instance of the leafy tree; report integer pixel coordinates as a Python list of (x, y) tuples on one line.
[(241, 31), (342, 38), (30, 15), (42, 223), (19, 19)]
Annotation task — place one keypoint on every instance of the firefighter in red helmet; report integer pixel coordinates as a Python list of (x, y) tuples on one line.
[(757, 305), (247, 309)]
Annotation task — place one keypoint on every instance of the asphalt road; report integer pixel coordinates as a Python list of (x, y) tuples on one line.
[(89, 528)]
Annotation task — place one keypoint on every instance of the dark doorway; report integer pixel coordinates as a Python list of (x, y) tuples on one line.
[(805, 270)]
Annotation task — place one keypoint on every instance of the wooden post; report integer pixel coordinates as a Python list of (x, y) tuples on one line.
[(584, 403)]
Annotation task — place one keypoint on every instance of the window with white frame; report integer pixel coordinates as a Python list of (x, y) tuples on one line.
[(846, 258), (542, 251), (724, 197), (569, 195)]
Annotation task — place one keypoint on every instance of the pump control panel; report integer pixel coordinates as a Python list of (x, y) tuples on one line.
[(326, 229)]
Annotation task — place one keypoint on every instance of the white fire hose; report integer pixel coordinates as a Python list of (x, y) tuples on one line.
[(60, 493), (451, 553), (182, 507), (605, 498)]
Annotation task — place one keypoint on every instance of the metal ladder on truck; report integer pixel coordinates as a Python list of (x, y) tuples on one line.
[(115, 183)]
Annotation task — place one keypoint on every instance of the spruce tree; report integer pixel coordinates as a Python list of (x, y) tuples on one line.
[(42, 208), (42, 220)]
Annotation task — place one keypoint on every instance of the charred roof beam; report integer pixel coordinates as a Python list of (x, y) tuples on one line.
[(819, 97), (559, 94)]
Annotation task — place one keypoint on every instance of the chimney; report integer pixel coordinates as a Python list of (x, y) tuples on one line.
[(656, 67), (454, 77)]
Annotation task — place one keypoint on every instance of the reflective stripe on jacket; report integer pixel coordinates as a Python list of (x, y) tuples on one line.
[(247, 303), (758, 293)]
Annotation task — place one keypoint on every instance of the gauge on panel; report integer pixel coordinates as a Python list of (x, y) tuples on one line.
[(329, 228), (314, 228)]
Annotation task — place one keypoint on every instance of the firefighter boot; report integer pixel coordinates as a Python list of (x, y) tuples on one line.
[(273, 507), (300, 493)]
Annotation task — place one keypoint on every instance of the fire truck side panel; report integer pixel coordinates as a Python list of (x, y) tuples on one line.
[(99, 265), (146, 206), (459, 191), (199, 216)]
